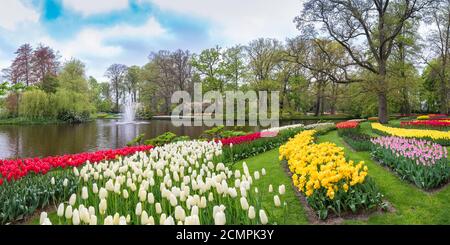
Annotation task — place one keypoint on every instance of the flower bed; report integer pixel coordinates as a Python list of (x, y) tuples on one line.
[(329, 182), (240, 139), (18, 168), (277, 129), (421, 162), (441, 124), (347, 125), (178, 183), (439, 137)]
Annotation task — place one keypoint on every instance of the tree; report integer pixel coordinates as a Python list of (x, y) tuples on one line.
[(234, 67), (209, 64), (117, 74), (264, 55), (21, 66), (375, 22), (44, 62), (438, 42), (73, 76), (133, 80)]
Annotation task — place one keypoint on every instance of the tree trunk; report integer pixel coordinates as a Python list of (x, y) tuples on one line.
[(382, 95), (444, 100)]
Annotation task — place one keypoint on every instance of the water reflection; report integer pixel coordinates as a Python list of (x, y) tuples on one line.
[(56, 139)]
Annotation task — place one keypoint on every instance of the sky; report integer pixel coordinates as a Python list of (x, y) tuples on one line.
[(104, 32)]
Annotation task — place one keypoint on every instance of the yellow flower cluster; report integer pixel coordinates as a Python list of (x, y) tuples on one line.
[(412, 133), (316, 166), (423, 117)]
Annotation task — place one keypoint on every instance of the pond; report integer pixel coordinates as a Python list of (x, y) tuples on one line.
[(19, 141)]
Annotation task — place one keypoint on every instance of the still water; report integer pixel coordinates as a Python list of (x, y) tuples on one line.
[(57, 139)]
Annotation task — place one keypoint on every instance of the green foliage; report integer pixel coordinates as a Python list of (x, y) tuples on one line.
[(49, 84), (23, 197), (71, 106), (356, 139), (136, 141), (35, 104), (425, 177), (162, 139)]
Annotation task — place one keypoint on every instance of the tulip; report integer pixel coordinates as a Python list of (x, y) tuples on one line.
[(76, 217), (68, 213), (72, 199), (60, 211), (162, 219), (151, 221), (116, 219), (144, 218), (270, 188), (263, 172), (65, 182), (150, 198), (173, 200), (122, 221), (219, 218), (263, 217), (52, 181), (42, 218), (256, 174), (158, 208), (128, 218), (103, 193), (125, 194), (244, 203), (276, 200), (102, 206), (251, 213), (282, 189), (93, 220), (138, 210), (256, 190), (180, 213), (108, 220), (142, 195), (95, 188), (169, 221), (47, 222), (194, 210), (84, 193)]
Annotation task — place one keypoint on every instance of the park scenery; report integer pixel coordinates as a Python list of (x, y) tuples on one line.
[(357, 97)]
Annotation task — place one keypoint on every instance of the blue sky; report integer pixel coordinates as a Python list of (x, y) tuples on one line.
[(103, 32)]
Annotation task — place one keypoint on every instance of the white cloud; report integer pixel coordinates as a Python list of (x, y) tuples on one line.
[(14, 13), (240, 20), (92, 7)]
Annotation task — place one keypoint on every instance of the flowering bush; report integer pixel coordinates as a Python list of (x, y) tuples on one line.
[(440, 137), (178, 183), (347, 124), (329, 181), (18, 168), (421, 162), (435, 123)]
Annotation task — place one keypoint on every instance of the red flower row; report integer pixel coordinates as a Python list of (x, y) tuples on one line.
[(432, 123), (347, 124), (240, 139), (18, 168)]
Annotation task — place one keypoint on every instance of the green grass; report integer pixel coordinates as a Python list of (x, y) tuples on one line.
[(412, 205), (276, 176)]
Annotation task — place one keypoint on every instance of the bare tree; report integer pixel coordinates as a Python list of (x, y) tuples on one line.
[(20, 70), (117, 74), (366, 29)]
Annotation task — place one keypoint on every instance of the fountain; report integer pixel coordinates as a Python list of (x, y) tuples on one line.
[(129, 110)]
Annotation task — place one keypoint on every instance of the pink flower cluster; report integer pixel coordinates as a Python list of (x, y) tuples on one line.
[(423, 152), (18, 168)]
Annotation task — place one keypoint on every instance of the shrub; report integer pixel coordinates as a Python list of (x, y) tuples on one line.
[(162, 139), (329, 182), (35, 104), (420, 162)]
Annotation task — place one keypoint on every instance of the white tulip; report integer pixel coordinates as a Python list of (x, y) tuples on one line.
[(256, 190), (103, 193), (102, 206), (244, 203), (117, 188), (270, 188), (76, 217), (125, 194), (256, 174), (158, 208), (76, 172), (95, 188), (263, 217), (180, 213), (116, 219), (251, 213), (151, 221), (281, 189), (150, 198), (219, 218), (263, 172), (42, 218), (169, 221), (72, 199), (65, 182), (210, 197), (91, 210), (277, 201), (47, 222), (93, 220), (144, 218), (173, 200), (84, 193), (142, 195), (122, 220), (108, 220), (68, 213), (162, 219), (52, 181), (138, 209), (60, 211), (128, 218)]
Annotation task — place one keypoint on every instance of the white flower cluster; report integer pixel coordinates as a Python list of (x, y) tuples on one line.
[(181, 183), (277, 129), (319, 125)]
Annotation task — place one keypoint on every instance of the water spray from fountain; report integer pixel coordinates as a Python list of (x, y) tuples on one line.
[(129, 109)]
